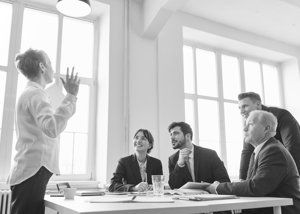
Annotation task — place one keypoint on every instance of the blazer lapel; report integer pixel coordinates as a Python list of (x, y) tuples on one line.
[(135, 169), (196, 162), (255, 164)]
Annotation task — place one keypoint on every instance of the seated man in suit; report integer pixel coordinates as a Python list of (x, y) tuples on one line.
[(287, 131), (133, 173), (191, 162), (272, 171)]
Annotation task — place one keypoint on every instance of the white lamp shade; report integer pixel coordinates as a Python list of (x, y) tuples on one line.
[(74, 8)]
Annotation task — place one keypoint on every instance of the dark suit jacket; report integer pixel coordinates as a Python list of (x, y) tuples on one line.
[(287, 132), (128, 174), (207, 168), (274, 174)]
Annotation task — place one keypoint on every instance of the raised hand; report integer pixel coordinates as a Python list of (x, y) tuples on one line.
[(71, 84), (183, 154)]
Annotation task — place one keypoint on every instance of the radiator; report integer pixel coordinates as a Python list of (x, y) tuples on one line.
[(5, 201)]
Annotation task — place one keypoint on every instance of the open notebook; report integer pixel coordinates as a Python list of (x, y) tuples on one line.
[(139, 199), (204, 197)]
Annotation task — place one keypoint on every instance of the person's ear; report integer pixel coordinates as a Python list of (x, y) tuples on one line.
[(258, 105), (42, 67), (188, 136), (267, 128)]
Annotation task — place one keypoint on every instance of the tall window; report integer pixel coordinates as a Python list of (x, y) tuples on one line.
[(60, 38), (212, 81)]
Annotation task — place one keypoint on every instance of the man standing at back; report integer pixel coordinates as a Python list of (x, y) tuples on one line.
[(287, 132), (192, 163)]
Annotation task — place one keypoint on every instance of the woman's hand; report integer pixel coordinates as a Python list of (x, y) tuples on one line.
[(71, 84), (141, 187)]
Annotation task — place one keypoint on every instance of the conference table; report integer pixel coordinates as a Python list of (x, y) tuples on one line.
[(79, 205)]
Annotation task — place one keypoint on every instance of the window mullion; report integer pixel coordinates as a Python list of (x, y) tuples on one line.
[(222, 139), (11, 89), (195, 99), (242, 75), (280, 83), (262, 84)]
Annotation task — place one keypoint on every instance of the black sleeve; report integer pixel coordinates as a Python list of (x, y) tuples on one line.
[(177, 175), (289, 131), (245, 159), (119, 180)]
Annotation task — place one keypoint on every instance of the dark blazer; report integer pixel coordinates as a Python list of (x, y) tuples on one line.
[(128, 174), (287, 132), (274, 174), (207, 168)]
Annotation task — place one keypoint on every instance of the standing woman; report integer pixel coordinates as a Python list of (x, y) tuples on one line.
[(134, 172), (38, 126)]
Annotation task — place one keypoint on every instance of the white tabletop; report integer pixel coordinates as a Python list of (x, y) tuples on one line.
[(78, 205)]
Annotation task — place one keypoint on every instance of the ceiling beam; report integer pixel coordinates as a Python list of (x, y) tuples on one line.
[(156, 13)]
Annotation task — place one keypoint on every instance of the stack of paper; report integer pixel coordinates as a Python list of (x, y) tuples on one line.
[(139, 199), (90, 193), (205, 197)]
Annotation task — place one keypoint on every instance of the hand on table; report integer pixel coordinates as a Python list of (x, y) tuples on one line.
[(141, 187), (212, 188)]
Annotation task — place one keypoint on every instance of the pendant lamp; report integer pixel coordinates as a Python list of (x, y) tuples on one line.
[(74, 8)]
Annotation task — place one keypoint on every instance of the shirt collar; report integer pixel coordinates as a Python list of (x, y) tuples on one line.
[(34, 84), (258, 148), (192, 153), (142, 164)]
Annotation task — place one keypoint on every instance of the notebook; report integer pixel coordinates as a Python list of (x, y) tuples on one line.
[(89, 192), (205, 197), (134, 199)]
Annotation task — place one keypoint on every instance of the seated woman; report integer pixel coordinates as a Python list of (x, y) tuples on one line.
[(134, 172)]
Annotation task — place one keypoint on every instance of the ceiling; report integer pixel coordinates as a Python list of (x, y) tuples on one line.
[(275, 19)]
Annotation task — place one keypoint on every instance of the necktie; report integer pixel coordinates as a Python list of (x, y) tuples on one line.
[(251, 164), (187, 162)]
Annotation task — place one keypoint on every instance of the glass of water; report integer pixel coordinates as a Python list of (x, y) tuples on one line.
[(158, 185)]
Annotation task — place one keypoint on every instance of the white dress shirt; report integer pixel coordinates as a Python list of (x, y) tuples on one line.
[(37, 128)]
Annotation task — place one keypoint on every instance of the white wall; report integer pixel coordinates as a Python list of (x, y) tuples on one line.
[(165, 102), (291, 83), (109, 141), (155, 84)]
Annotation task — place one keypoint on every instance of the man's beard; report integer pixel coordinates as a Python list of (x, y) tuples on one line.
[(179, 144)]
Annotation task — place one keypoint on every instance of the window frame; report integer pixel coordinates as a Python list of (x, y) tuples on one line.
[(6, 140), (220, 97)]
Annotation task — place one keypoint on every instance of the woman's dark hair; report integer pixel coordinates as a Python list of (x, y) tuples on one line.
[(147, 135), (28, 63)]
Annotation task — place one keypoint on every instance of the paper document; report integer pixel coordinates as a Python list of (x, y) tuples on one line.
[(134, 199), (89, 192), (195, 185), (206, 197), (189, 191), (104, 199)]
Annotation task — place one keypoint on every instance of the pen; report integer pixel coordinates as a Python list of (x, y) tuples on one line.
[(133, 198)]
